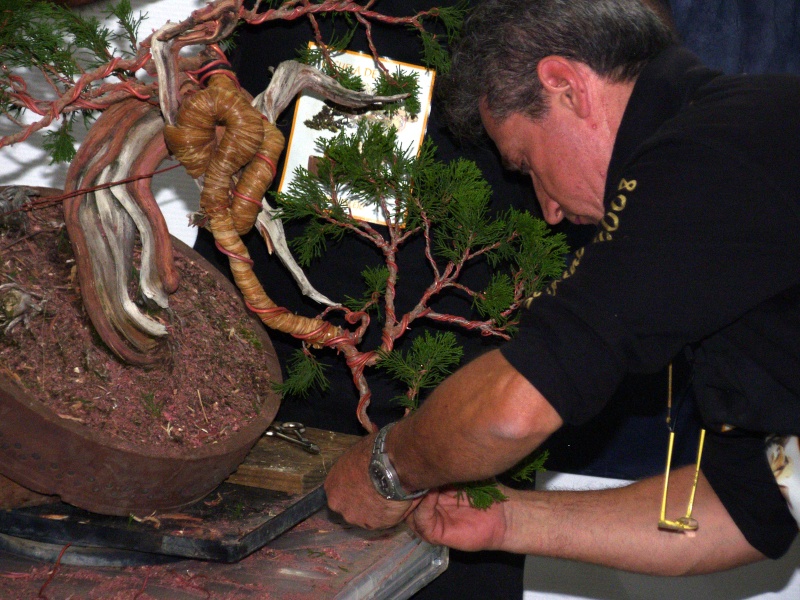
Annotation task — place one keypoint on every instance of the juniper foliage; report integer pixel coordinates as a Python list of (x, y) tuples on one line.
[(60, 45), (483, 494), (430, 359), (447, 203)]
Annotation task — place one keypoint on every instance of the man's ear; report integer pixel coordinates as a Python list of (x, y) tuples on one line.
[(565, 81)]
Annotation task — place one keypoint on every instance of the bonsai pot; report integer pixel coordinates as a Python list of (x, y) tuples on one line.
[(50, 453)]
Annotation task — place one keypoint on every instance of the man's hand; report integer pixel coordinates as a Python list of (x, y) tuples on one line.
[(351, 492), (442, 518)]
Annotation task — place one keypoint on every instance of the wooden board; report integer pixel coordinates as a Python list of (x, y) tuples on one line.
[(276, 464)]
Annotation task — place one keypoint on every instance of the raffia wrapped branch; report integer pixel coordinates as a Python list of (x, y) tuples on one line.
[(256, 179), (251, 143)]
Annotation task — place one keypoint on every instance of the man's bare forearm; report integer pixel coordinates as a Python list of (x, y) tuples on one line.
[(479, 422), (618, 528)]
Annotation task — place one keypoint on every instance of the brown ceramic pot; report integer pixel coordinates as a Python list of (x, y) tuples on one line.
[(54, 456)]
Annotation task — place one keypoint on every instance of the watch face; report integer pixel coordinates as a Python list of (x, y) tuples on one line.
[(379, 478)]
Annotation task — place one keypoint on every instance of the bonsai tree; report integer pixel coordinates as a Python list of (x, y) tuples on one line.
[(157, 102), (448, 205)]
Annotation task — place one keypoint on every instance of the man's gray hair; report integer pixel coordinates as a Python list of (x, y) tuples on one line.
[(504, 40)]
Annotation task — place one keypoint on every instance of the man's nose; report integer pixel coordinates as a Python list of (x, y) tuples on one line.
[(551, 210)]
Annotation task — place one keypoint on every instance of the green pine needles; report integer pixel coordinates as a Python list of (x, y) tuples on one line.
[(61, 46), (449, 205), (433, 55), (482, 494), (47, 36), (87, 66), (430, 360)]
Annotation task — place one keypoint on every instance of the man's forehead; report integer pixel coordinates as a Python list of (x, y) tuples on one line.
[(492, 124), (504, 134)]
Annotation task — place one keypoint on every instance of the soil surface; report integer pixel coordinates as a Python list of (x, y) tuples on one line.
[(215, 382)]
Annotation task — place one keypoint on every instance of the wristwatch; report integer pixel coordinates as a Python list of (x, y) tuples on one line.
[(382, 472)]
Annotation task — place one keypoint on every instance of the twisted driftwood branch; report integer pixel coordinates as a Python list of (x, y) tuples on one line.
[(102, 225)]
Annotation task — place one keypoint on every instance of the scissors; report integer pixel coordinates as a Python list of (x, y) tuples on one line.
[(292, 431)]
